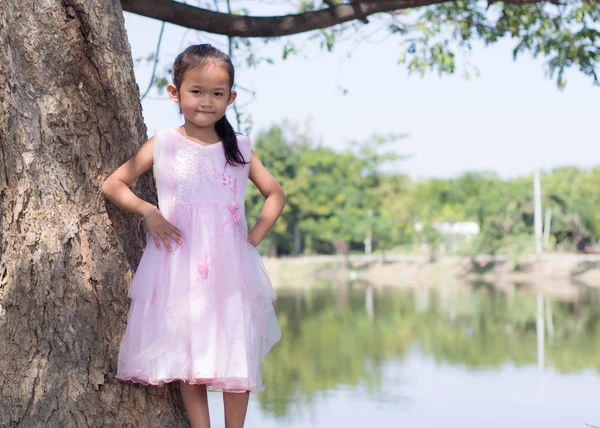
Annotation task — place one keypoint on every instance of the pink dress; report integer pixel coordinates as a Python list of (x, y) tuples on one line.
[(202, 313)]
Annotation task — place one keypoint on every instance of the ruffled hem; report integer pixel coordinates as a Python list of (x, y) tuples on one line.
[(212, 384)]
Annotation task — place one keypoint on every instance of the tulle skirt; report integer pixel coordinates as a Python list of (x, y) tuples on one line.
[(202, 313)]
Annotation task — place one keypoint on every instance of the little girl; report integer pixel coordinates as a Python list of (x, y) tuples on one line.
[(201, 310)]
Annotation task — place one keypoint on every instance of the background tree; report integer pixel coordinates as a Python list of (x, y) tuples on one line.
[(338, 198), (281, 157), (573, 199)]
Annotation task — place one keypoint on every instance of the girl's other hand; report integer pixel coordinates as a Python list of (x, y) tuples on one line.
[(161, 229), (252, 240)]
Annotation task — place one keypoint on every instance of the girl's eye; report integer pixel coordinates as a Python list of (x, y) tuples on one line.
[(195, 92), (219, 94)]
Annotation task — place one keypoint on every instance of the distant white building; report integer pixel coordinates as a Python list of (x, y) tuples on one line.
[(467, 229), (462, 228)]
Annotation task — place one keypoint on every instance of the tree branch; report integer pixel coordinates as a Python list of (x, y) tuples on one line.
[(266, 26)]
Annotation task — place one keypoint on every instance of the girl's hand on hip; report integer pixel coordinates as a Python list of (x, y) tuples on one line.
[(161, 229), (252, 240)]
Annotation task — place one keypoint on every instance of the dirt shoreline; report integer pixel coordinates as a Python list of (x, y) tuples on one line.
[(549, 272)]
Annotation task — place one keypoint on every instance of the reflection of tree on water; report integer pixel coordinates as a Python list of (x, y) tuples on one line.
[(334, 337), (549, 320), (544, 322), (369, 301), (541, 349)]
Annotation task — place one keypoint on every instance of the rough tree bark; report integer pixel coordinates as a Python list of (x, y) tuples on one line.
[(69, 114)]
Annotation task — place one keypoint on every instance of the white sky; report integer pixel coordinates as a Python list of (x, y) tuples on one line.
[(509, 120)]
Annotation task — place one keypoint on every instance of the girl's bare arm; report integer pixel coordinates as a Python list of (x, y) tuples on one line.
[(274, 203), (116, 186)]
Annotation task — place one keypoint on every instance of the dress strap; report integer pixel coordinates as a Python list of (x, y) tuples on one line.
[(160, 158), (245, 146), (158, 140)]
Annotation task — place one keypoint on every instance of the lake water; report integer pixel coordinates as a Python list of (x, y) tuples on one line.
[(472, 356)]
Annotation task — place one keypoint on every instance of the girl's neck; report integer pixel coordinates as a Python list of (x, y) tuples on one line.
[(207, 135)]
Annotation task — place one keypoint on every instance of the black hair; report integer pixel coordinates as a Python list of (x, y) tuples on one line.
[(198, 56)]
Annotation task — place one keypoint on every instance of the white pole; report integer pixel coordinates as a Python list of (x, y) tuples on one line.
[(547, 222), (537, 197), (369, 238), (540, 336)]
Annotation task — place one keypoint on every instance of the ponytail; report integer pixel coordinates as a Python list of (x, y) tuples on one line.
[(229, 139)]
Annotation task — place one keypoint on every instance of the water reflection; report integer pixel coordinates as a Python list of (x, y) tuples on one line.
[(353, 339)]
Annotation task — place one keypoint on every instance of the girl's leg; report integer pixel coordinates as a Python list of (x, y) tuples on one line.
[(195, 401), (236, 405)]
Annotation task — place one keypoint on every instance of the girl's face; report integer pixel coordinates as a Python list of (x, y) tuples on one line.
[(204, 94)]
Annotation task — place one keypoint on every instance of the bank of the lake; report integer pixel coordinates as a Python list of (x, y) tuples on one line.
[(549, 272)]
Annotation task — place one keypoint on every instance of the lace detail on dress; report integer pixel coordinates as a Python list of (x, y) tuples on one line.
[(189, 170)]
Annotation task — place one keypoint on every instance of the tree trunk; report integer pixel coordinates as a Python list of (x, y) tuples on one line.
[(69, 115)]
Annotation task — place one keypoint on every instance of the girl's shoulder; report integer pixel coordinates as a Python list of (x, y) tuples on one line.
[(243, 139), (161, 134), (164, 137), (245, 145), (158, 137)]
